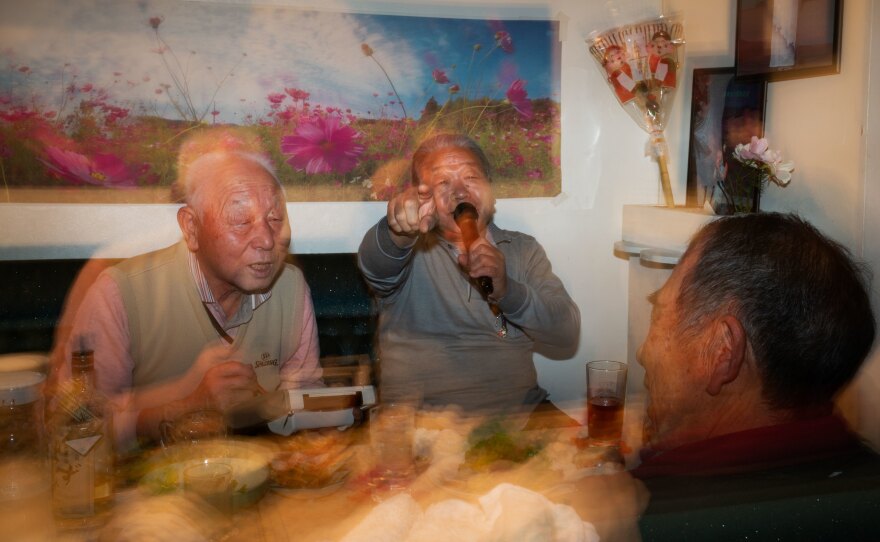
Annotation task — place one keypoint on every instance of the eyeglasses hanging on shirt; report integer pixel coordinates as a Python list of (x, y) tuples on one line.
[(500, 321)]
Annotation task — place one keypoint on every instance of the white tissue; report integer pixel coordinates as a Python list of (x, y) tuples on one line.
[(508, 513), (519, 514), (390, 521)]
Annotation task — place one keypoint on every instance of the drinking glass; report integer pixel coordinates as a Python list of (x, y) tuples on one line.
[(606, 395), (194, 427), (392, 428)]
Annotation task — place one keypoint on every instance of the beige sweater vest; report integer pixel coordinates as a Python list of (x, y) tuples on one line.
[(169, 326)]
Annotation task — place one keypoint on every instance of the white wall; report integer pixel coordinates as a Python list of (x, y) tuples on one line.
[(820, 123), (816, 122), (869, 380), (603, 166)]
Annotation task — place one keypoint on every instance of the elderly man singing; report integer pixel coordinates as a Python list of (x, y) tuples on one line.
[(462, 303), (216, 318)]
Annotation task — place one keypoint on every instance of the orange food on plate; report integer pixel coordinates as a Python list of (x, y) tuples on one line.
[(312, 459)]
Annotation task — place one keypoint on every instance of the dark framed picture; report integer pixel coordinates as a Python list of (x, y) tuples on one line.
[(788, 39), (726, 110)]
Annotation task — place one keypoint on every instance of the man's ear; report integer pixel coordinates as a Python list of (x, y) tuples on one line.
[(727, 352), (188, 222)]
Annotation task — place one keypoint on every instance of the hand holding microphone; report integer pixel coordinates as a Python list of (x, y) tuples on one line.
[(465, 216)]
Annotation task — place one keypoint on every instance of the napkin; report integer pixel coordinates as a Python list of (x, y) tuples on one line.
[(507, 513), (519, 514), (391, 521)]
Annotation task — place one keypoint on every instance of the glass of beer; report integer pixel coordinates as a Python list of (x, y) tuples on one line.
[(606, 394)]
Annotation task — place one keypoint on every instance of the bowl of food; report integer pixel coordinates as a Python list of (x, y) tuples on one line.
[(248, 460)]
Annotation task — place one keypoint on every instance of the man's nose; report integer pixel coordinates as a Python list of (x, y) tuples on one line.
[(460, 190), (264, 235)]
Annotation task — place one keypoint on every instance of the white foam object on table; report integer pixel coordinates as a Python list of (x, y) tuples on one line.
[(299, 418)]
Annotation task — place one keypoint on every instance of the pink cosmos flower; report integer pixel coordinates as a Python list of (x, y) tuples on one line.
[(114, 113), (440, 76), (17, 114), (758, 154), (453, 89), (754, 150), (504, 41), (322, 146), (519, 98), (297, 94), (275, 98), (287, 114), (101, 169)]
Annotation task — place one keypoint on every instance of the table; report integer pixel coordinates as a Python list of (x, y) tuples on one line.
[(610, 501)]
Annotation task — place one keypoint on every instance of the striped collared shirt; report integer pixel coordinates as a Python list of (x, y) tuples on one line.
[(245, 311)]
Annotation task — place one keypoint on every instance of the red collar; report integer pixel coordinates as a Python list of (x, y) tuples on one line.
[(755, 449)]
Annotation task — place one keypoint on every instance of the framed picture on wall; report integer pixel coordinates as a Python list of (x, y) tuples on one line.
[(103, 122), (788, 39), (725, 110)]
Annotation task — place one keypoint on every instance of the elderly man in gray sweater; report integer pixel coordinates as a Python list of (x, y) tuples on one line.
[(460, 313)]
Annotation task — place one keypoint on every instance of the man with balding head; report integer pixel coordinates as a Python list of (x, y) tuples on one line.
[(218, 317)]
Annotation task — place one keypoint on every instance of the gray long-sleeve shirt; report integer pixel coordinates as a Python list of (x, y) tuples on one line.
[(440, 338)]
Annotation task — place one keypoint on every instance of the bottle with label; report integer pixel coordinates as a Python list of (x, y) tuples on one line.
[(81, 446)]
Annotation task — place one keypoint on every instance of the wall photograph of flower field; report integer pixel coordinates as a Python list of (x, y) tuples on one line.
[(96, 96)]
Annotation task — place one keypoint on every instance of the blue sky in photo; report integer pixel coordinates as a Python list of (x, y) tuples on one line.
[(231, 56)]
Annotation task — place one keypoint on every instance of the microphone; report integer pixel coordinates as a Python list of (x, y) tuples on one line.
[(465, 216)]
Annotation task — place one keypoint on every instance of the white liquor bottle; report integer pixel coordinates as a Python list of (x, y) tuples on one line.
[(81, 445)]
